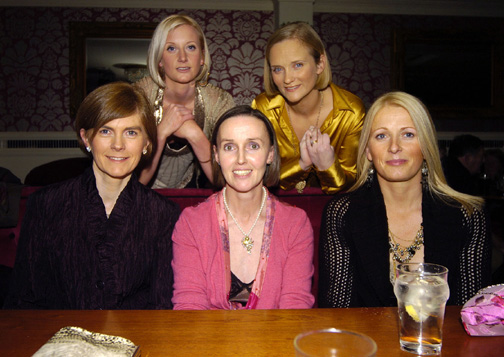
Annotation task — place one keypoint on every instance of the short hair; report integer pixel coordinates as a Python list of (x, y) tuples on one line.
[(303, 32), (464, 144), (113, 101), (427, 139), (157, 46), (272, 173)]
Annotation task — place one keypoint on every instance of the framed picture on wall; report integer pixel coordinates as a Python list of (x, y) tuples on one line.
[(103, 52), (456, 73)]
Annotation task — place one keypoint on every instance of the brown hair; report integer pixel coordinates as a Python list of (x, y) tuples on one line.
[(272, 173), (113, 101)]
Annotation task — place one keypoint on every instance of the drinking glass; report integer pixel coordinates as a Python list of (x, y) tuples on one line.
[(334, 342), (422, 291)]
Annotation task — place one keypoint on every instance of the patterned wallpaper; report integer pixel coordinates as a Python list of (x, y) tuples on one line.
[(35, 73)]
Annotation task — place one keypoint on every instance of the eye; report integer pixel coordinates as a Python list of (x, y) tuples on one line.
[(131, 133), (170, 48), (254, 146), (409, 135), (104, 131), (298, 65), (276, 70), (380, 136), (228, 147), (191, 47)]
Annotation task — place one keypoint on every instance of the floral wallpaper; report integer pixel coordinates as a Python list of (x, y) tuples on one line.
[(35, 73), (34, 66)]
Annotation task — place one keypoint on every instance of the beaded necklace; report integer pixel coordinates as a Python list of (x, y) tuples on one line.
[(403, 255)]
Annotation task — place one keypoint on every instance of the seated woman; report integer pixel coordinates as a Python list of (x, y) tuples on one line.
[(185, 105), (101, 240), (243, 248), (317, 123), (399, 210)]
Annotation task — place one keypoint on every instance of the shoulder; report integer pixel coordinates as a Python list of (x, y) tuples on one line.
[(289, 212), (344, 98), (215, 93), (264, 102), (61, 191), (201, 211), (148, 86), (149, 198), (340, 203)]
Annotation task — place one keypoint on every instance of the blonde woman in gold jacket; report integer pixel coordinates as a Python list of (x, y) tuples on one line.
[(317, 123)]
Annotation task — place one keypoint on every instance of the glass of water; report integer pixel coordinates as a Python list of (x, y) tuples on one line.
[(422, 291)]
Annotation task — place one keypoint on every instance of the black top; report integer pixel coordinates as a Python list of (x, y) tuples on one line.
[(354, 258), (70, 256)]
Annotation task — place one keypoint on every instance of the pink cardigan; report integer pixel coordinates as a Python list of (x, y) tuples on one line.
[(199, 266)]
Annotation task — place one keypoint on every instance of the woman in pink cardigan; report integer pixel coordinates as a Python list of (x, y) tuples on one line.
[(242, 248)]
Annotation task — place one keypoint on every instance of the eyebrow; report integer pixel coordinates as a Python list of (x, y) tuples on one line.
[(125, 129)]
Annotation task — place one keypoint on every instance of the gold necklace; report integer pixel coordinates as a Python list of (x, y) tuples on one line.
[(403, 255), (246, 241), (318, 114)]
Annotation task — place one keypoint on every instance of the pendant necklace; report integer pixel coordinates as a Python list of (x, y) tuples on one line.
[(403, 255), (246, 241)]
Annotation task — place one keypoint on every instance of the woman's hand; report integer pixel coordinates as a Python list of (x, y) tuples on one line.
[(319, 149), (305, 160), (174, 116)]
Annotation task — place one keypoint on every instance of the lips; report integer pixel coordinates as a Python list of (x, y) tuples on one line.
[(115, 158), (242, 172), (291, 89), (396, 162)]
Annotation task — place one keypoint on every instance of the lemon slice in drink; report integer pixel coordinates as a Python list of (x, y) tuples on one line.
[(415, 315)]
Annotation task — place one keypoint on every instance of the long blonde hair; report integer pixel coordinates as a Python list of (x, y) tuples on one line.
[(427, 139)]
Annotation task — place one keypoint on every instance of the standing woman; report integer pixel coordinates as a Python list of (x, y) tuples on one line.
[(400, 210), (186, 107), (101, 240), (242, 248), (317, 123)]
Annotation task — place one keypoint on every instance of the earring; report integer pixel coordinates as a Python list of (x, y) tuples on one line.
[(201, 83), (370, 176), (144, 151), (425, 176), (88, 148)]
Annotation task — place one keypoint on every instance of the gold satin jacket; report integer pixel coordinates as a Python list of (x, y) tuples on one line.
[(343, 125)]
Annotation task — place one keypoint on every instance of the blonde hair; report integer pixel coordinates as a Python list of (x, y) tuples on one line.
[(157, 47), (427, 139), (303, 32)]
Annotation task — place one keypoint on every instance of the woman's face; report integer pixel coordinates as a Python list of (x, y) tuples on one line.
[(243, 151), (393, 146), (182, 55), (293, 69), (117, 146)]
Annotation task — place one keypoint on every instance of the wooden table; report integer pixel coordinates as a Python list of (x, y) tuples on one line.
[(226, 333)]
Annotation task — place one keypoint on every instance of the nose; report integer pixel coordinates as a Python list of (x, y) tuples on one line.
[(241, 156), (117, 143), (182, 55), (394, 145), (288, 77)]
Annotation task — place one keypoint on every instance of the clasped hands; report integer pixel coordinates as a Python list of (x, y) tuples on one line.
[(316, 149), (177, 120)]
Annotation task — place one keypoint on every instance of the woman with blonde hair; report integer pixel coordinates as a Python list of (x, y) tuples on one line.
[(400, 210), (186, 106), (317, 123)]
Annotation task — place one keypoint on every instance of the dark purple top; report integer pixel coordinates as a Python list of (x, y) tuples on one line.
[(70, 256)]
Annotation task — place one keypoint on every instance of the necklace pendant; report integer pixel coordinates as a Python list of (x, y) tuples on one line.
[(247, 243)]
